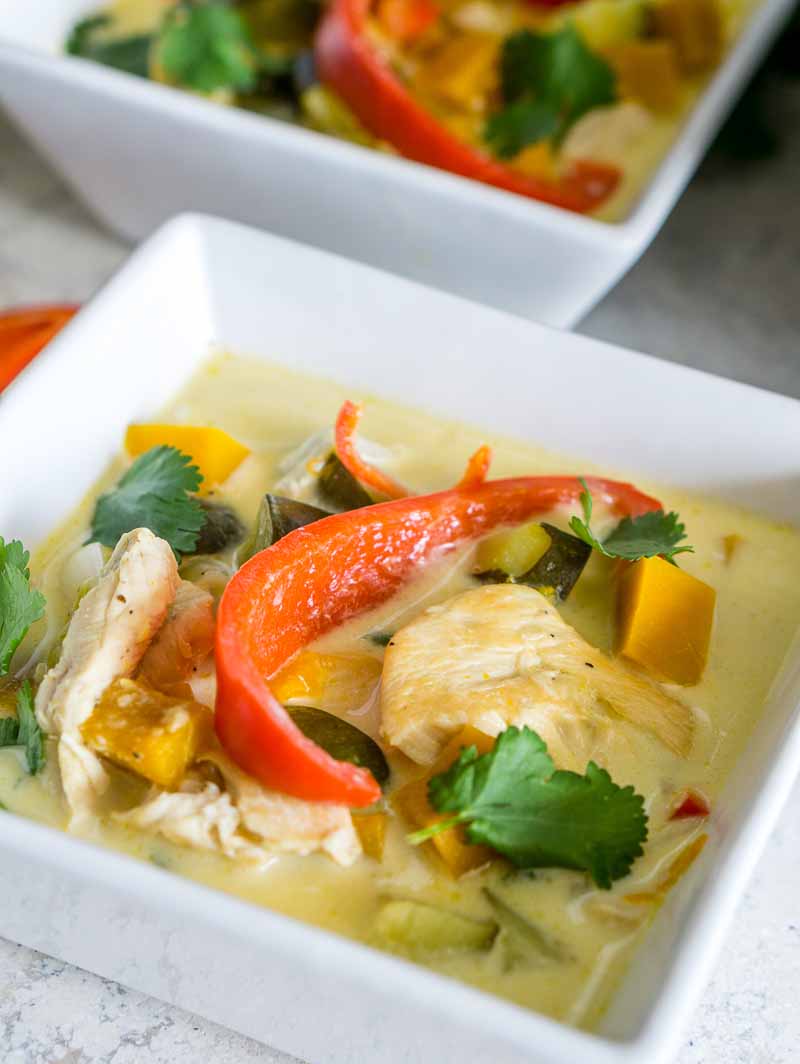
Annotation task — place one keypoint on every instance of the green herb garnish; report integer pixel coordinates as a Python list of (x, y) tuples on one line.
[(155, 494), (650, 534), (25, 730), (548, 81), (208, 46), (20, 605), (514, 800), (89, 39)]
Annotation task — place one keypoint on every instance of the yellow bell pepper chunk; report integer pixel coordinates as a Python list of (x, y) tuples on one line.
[(665, 617), (153, 735), (463, 69), (213, 451), (330, 681), (412, 802), (647, 71), (371, 830), (695, 28), (537, 160), (513, 551)]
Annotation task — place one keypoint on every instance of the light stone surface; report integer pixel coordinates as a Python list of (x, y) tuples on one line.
[(720, 290)]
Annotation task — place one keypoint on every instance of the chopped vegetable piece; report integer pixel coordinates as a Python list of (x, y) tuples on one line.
[(665, 617), (90, 39), (20, 604), (691, 804), (642, 536), (462, 69), (516, 801), (332, 680), (524, 942), (344, 437), (416, 928), (277, 517), (339, 488), (513, 551), (647, 71), (678, 868), (23, 730), (222, 529), (548, 82), (380, 639), (537, 160), (560, 567), (606, 23), (404, 20), (412, 802), (207, 47), (285, 597), (214, 452), (696, 29), (23, 334), (325, 112), (154, 494), (151, 734), (477, 468), (343, 741), (371, 830)]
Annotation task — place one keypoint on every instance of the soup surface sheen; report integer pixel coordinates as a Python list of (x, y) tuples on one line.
[(272, 410)]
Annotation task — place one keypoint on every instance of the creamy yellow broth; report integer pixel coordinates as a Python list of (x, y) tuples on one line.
[(272, 410)]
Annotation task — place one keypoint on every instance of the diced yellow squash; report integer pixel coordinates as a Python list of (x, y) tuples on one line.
[(538, 161), (371, 830), (330, 681), (695, 28), (153, 735), (647, 72), (411, 801), (513, 551), (665, 617), (462, 70), (213, 451)]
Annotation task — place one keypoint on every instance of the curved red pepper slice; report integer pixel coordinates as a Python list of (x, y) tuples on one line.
[(319, 576), (477, 468), (24, 332), (347, 62)]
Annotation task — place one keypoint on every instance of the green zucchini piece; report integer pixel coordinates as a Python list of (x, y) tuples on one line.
[(512, 551), (521, 940), (341, 739), (339, 488), (277, 517), (379, 639), (419, 929), (560, 566), (89, 39), (222, 529)]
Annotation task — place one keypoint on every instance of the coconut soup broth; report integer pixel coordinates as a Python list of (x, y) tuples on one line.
[(272, 410)]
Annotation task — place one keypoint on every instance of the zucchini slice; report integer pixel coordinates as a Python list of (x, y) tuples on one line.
[(339, 488), (419, 929), (341, 739)]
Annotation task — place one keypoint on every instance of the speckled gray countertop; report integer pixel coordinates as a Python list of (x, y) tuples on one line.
[(719, 289)]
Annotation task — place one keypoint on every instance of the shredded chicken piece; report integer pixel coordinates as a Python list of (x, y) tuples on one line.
[(501, 655), (106, 639), (184, 641)]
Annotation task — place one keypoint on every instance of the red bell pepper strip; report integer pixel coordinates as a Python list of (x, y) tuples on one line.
[(344, 434), (319, 576), (349, 64), (23, 334), (691, 804), (406, 19)]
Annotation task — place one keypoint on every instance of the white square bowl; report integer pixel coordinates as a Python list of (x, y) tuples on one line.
[(201, 283), (137, 152)]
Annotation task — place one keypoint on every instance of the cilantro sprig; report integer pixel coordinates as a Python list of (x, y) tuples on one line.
[(650, 534), (548, 81), (514, 800), (23, 730), (155, 494), (208, 46), (20, 604)]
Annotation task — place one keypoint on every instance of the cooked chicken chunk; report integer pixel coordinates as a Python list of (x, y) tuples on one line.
[(502, 655), (184, 641), (246, 821), (106, 639)]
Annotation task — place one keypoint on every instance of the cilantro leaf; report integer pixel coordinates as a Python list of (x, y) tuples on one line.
[(25, 730), (514, 800), (90, 39), (20, 605), (548, 81), (650, 534), (154, 493), (208, 46)]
